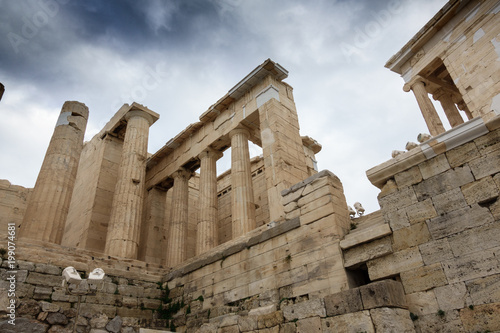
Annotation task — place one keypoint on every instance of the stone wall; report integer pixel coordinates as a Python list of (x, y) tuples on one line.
[(442, 231), (13, 201)]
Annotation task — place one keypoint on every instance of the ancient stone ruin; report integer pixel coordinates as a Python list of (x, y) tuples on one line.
[(271, 245)]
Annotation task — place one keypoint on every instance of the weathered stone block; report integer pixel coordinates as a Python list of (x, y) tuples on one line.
[(459, 220), (365, 235), (383, 293), (42, 292), (404, 197), (408, 237), (270, 320), (423, 302), (436, 251), (482, 190), (247, 323), (308, 325), (482, 319), (392, 320), (24, 325), (462, 154), (397, 219), (449, 322), (44, 279), (472, 266), (423, 278), (349, 322), (367, 251), (49, 307), (476, 239), (484, 290), (444, 182), (346, 301), (451, 297), (420, 211), (304, 309), (394, 263), (409, 177), (486, 165), (449, 201), (434, 166), (47, 269)]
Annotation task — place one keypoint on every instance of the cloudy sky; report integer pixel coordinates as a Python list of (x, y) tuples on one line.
[(179, 57)]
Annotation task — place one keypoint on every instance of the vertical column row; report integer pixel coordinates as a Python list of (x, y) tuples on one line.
[(126, 211), (429, 113)]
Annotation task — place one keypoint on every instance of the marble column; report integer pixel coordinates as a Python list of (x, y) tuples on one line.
[(462, 106), (178, 230), (48, 206), (243, 205), (126, 211), (431, 117), (449, 107), (207, 231)]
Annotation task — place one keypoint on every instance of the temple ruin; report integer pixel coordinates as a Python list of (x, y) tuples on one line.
[(271, 245)]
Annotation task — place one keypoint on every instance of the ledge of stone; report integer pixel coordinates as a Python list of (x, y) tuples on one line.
[(252, 238), (365, 235), (299, 185), (444, 142)]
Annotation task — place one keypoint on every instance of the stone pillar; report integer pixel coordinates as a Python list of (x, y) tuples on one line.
[(126, 212), (462, 106), (177, 240), (207, 231), (49, 203), (431, 117), (243, 206), (449, 107)]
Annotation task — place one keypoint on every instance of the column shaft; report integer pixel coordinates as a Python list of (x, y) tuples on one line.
[(431, 117), (207, 231), (177, 241), (126, 212), (243, 205), (47, 209), (450, 109)]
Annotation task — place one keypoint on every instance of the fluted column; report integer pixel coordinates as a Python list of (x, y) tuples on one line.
[(177, 241), (449, 107), (47, 209), (431, 117), (243, 206), (207, 231), (126, 212)]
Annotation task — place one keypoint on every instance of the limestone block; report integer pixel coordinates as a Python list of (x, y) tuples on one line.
[(247, 323), (392, 320), (89, 310), (452, 296), (409, 177), (476, 239), (423, 278), (394, 263), (420, 211), (434, 166), (462, 154), (399, 199), (42, 292), (443, 182), (49, 307), (486, 165), (270, 320), (383, 293), (459, 220), (480, 191), (408, 237), (308, 325), (288, 328), (397, 219), (367, 251), (436, 251), (488, 143), (292, 196), (132, 291), (343, 302), (450, 322), (449, 201), (365, 235), (423, 302), (290, 207), (472, 266), (482, 318), (44, 279), (47, 269), (135, 313), (306, 309), (350, 323), (484, 290), (24, 325), (389, 187)]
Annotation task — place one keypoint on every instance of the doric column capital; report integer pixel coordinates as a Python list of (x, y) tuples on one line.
[(239, 130), (140, 113), (211, 153), (416, 81), (182, 173)]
